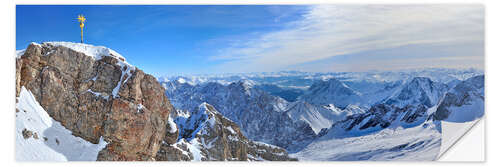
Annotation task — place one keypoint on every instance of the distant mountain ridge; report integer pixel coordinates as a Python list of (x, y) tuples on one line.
[(332, 107)]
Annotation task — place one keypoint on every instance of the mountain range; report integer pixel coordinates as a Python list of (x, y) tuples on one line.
[(72, 96), (345, 107)]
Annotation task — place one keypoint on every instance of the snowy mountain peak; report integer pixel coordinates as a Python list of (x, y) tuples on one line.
[(181, 80), (331, 91), (420, 90), (195, 121), (247, 84)]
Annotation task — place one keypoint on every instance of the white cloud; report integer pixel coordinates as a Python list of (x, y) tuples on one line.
[(332, 30)]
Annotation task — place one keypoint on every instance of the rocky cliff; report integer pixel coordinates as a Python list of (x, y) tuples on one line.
[(94, 92)]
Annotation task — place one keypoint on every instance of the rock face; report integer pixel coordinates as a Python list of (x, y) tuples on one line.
[(464, 102), (207, 135), (93, 92)]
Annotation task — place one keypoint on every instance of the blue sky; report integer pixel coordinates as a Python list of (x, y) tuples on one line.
[(171, 40)]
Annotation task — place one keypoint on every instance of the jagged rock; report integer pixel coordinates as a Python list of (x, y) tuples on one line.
[(27, 133), (209, 136), (18, 77), (173, 133), (261, 151), (35, 135), (174, 152), (97, 95)]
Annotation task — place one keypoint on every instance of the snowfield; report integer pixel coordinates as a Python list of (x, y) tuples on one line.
[(411, 144), (468, 112), (54, 143)]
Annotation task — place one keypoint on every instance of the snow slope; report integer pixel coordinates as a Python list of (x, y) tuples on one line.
[(417, 143), (419, 90), (319, 117), (468, 112), (60, 144)]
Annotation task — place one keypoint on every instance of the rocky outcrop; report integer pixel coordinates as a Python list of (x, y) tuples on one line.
[(93, 92), (207, 135)]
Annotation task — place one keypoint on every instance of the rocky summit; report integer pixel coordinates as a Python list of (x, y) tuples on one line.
[(94, 93), (97, 94)]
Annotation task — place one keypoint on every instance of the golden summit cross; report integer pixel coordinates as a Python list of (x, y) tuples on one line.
[(82, 20)]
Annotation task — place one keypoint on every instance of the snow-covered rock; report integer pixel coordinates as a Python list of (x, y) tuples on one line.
[(463, 103), (206, 135), (333, 92), (419, 90)]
